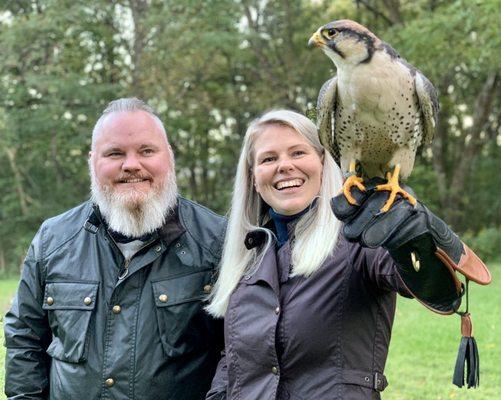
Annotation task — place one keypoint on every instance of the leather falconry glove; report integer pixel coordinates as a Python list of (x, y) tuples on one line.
[(427, 254)]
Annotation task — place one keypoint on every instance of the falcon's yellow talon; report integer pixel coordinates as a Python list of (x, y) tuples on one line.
[(411, 199), (394, 188), (350, 182)]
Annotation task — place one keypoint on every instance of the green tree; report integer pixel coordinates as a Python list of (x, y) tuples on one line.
[(209, 68), (58, 71)]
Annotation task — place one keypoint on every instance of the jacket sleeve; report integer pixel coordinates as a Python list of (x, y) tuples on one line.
[(27, 336), (220, 381), (379, 269)]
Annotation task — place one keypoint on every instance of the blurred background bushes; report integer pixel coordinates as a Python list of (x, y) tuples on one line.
[(209, 67)]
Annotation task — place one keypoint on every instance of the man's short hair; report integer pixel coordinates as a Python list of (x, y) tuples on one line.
[(125, 104)]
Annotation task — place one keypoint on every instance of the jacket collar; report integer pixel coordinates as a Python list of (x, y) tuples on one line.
[(255, 238), (94, 220), (258, 237), (172, 228), (266, 271)]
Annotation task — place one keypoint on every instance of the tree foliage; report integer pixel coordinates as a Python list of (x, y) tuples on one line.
[(209, 68)]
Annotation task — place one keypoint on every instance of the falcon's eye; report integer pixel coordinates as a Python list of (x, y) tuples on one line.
[(332, 32)]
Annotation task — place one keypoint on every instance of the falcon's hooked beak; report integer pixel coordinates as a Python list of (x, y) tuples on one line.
[(316, 39)]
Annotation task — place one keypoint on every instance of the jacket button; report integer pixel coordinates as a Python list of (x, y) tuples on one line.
[(178, 244), (274, 370), (277, 310), (207, 288), (50, 301), (163, 298), (109, 382), (158, 249), (87, 301), (116, 309)]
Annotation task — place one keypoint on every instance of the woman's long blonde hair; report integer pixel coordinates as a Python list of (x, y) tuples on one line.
[(315, 234)]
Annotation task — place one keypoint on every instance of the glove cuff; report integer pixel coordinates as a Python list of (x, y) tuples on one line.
[(468, 265)]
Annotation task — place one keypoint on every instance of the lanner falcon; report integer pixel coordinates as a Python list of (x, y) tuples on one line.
[(373, 115)]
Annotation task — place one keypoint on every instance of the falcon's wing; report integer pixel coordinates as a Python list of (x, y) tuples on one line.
[(428, 102), (326, 113)]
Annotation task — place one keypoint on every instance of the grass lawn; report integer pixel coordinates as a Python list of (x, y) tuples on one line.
[(423, 348)]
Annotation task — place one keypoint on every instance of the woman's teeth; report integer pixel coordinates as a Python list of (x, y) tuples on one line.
[(287, 184)]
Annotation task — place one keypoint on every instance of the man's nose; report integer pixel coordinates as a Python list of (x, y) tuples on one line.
[(131, 163)]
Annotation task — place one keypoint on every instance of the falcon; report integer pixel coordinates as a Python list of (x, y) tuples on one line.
[(375, 113)]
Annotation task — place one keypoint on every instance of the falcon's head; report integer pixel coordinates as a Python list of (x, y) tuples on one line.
[(345, 42)]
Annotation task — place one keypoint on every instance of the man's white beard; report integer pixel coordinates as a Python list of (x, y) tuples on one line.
[(135, 213)]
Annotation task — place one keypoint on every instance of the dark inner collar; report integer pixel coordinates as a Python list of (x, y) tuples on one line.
[(121, 238), (282, 223)]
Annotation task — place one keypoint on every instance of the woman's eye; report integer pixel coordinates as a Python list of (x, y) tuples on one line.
[(267, 159), (298, 153)]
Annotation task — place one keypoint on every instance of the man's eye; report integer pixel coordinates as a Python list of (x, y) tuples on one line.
[(114, 154), (148, 151)]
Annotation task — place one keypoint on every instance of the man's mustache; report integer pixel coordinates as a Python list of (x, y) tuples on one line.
[(128, 177)]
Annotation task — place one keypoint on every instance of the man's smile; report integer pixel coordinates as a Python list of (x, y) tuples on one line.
[(132, 180)]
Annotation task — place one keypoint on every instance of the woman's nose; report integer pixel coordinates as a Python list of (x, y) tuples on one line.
[(285, 165)]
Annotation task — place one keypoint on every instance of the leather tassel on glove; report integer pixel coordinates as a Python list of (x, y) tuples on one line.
[(467, 355)]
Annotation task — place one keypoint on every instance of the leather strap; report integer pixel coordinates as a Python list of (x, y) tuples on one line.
[(466, 325), (375, 381)]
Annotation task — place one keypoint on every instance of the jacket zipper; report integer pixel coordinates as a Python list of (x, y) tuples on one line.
[(125, 268)]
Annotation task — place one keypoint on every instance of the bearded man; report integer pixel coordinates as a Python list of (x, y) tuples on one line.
[(110, 302)]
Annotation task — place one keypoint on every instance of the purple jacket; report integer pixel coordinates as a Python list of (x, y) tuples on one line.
[(322, 337)]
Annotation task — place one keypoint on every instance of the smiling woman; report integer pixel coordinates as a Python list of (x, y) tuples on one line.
[(287, 169), (309, 311)]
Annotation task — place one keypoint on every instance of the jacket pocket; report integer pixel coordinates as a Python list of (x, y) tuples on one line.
[(183, 325), (69, 307)]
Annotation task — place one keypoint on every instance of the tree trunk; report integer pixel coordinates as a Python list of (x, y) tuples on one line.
[(393, 7), (138, 9), (18, 182), (375, 11), (462, 171), (439, 148), (3, 265), (60, 176)]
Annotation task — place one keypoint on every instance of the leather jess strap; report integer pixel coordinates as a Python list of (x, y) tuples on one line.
[(372, 380)]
